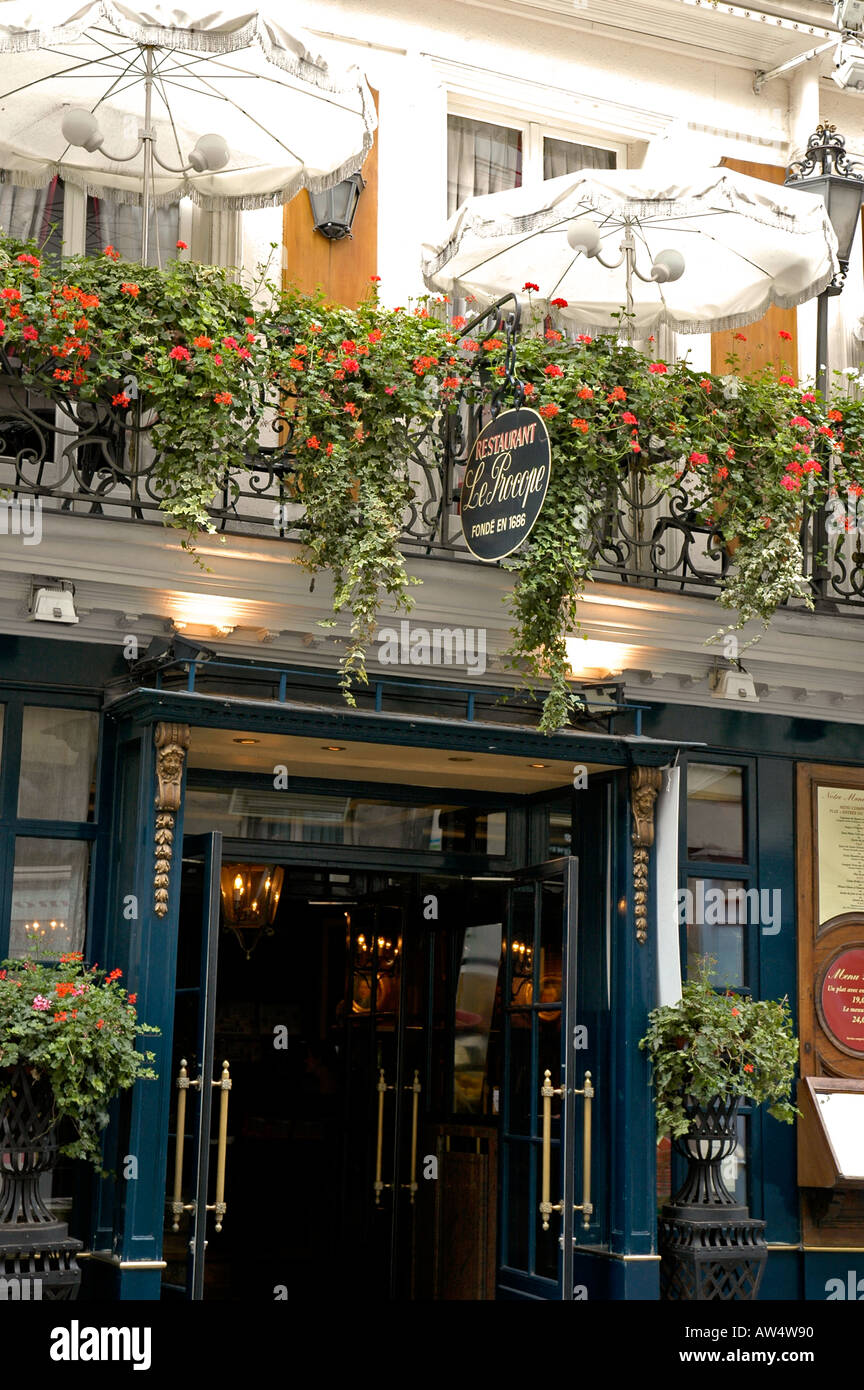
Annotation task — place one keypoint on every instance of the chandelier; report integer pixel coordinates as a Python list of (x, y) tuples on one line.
[(250, 897)]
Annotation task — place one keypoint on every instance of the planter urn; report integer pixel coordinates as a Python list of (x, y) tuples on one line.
[(710, 1246), (37, 1255)]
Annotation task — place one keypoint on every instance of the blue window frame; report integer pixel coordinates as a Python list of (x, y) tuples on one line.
[(48, 863)]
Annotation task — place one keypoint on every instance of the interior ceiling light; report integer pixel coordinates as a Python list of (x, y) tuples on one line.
[(246, 740), (460, 760), (332, 748)]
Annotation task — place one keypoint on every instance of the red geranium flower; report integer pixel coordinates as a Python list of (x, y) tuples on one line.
[(629, 418), (376, 279), (617, 394), (559, 303), (585, 393), (223, 398), (202, 341), (30, 335), (553, 370), (180, 354), (313, 442), (787, 337), (658, 368), (549, 411), (579, 424), (529, 285), (787, 381), (584, 338), (122, 400), (740, 337), (127, 288), (182, 246)]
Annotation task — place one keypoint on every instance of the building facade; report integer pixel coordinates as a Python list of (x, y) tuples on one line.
[(448, 903)]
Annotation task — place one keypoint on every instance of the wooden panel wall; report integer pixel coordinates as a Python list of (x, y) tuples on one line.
[(764, 347), (341, 268)]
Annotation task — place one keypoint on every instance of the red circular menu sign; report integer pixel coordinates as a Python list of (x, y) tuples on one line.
[(842, 999)]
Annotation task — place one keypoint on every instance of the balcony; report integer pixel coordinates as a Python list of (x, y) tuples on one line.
[(89, 460)]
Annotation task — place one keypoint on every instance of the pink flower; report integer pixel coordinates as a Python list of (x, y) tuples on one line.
[(230, 342), (801, 422), (698, 459), (180, 354), (389, 390), (658, 368), (791, 483), (629, 418), (40, 1003), (244, 353), (217, 359), (350, 364), (30, 335), (808, 398)]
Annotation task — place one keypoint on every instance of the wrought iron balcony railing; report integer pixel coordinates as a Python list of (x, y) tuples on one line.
[(89, 460)]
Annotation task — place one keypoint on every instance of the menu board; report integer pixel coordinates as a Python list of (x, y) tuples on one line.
[(842, 1000), (840, 813)]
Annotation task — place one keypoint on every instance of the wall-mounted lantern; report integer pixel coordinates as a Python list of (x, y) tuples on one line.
[(333, 212)]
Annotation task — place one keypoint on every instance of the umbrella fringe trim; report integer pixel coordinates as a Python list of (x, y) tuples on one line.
[(728, 322), (239, 202)]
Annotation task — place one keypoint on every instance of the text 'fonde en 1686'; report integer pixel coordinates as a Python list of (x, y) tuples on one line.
[(505, 483)]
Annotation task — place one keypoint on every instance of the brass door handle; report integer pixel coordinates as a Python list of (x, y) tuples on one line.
[(415, 1088), (178, 1206), (547, 1091), (379, 1186)]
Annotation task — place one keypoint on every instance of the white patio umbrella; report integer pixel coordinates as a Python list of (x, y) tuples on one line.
[(224, 105), (709, 252)]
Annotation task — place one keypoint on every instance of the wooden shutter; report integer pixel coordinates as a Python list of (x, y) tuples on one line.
[(764, 346), (341, 268)]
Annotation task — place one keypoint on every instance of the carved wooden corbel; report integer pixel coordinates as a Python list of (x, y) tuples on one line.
[(645, 783), (171, 741)]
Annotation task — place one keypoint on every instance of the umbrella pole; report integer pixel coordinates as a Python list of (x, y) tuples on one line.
[(628, 246), (148, 156)]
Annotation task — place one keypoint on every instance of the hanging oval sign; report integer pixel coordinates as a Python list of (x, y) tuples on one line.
[(505, 483)]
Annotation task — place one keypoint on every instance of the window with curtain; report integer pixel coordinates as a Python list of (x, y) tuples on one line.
[(566, 157), (58, 763), (38, 213), (481, 158), (34, 212), (49, 897), (119, 225)]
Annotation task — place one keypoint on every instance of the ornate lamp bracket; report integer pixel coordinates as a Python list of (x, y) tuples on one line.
[(645, 783), (172, 741)]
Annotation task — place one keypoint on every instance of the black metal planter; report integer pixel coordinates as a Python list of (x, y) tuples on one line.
[(37, 1255), (710, 1246)]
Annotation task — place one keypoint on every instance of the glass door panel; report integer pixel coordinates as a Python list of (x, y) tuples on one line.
[(537, 1140)]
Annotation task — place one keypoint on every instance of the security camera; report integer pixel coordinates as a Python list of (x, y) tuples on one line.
[(849, 15), (849, 69)]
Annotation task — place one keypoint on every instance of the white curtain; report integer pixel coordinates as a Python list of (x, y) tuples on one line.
[(119, 225), (481, 158), (58, 763), (33, 212), (565, 157), (49, 897)]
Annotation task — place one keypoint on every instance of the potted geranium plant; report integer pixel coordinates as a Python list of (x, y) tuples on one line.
[(67, 1046), (718, 1043)]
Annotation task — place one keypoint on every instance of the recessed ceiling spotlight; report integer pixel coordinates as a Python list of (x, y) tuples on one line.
[(458, 759), (332, 748), (246, 740), (538, 764)]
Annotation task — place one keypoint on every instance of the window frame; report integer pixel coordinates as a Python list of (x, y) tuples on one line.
[(533, 132)]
